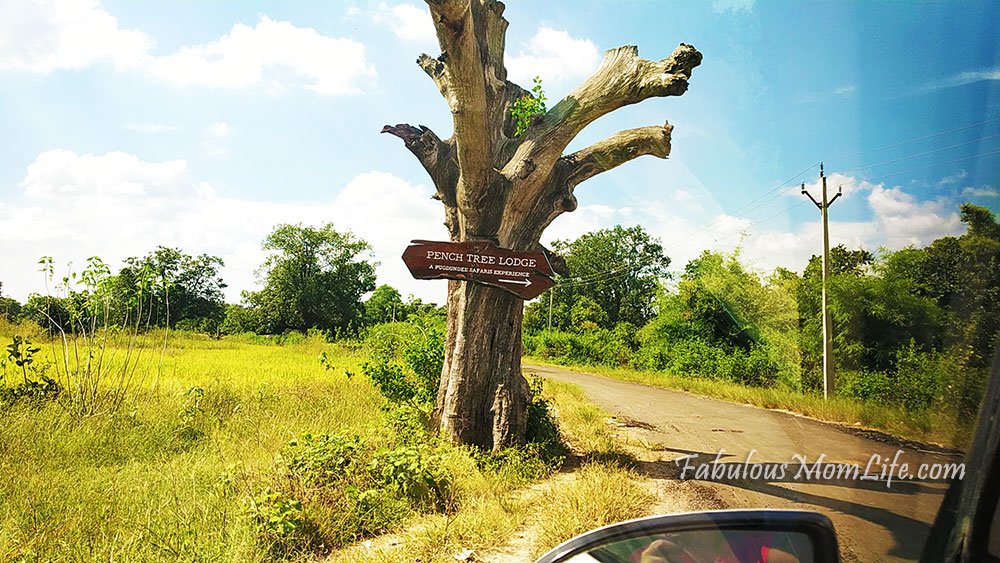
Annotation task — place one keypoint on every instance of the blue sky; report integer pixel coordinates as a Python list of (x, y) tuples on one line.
[(124, 125)]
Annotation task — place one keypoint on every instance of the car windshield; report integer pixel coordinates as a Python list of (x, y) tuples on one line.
[(463, 279)]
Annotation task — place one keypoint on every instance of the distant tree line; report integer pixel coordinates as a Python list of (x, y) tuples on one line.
[(313, 278)]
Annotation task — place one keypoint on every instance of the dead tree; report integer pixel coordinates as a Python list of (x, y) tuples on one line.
[(507, 189)]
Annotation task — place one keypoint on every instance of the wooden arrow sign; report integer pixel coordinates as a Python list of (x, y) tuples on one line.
[(525, 274)]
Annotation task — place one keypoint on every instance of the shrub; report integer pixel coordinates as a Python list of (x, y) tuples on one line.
[(752, 367), (542, 436), (280, 522), (865, 385), (35, 386), (416, 472), (323, 459), (916, 379), (405, 360), (239, 319)]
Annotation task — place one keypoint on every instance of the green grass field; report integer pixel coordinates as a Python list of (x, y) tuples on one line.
[(167, 478)]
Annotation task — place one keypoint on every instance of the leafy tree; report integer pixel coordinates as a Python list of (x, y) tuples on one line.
[(314, 278), (873, 317), (190, 288), (619, 269), (384, 305), (415, 307), (587, 315), (9, 307), (981, 221), (962, 276), (238, 319)]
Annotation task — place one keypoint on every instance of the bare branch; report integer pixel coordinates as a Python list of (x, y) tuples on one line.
[(491, 40), (615, 150), (435, 69), (555, 196), (463, 67), (623, 78), (436, 156)]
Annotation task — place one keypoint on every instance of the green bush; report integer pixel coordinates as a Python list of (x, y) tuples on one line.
[(323, 459), (542, 436), (405, 359), (416, 472), (336, 489), (614, 348), (204, 325), (35, 386), (865, 385), (917, 378), (280, 522), (752, 367)]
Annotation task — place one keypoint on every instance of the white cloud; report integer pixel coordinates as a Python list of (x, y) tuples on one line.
[(844, 90), (554, 56), (215, 135), (50, 35), (47, 35), (58, 174), (963, 78), (117, 205), (406, 21), (272, 54), (953, 179), (687, 198), (219, 129), (981, 191), (904, 221)]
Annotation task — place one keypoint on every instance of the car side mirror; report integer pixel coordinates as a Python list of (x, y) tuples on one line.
[(730, 536)]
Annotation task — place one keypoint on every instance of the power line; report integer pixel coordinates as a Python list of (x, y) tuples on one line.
[(761, 221), (746, 208), (920, 154), (605, 275), (882, 177), (915, 139), (618, 272)]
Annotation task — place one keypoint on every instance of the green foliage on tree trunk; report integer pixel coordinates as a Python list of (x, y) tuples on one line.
[(527, 107)]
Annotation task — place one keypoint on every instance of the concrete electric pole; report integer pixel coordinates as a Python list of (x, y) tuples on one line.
[(827, 324)]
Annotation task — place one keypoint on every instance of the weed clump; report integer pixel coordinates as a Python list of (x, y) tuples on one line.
[(35, 387), (335, 489)]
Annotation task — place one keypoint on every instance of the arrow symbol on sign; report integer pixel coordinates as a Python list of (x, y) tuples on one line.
[(525, 283)]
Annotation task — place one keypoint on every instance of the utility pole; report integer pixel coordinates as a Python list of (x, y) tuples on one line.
[(551, 293), (827, 324)]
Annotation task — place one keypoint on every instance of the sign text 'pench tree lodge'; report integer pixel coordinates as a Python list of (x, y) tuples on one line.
[(525, 274)]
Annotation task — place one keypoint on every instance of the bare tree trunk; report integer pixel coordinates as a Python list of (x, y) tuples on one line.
[(507, 189), (483, 396)]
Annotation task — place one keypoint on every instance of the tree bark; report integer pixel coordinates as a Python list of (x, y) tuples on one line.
[(506, 189)]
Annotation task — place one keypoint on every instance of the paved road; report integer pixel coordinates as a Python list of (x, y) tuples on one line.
[(874, 522)]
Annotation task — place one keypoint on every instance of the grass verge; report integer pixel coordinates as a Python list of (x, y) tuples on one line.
[(604, 489)]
